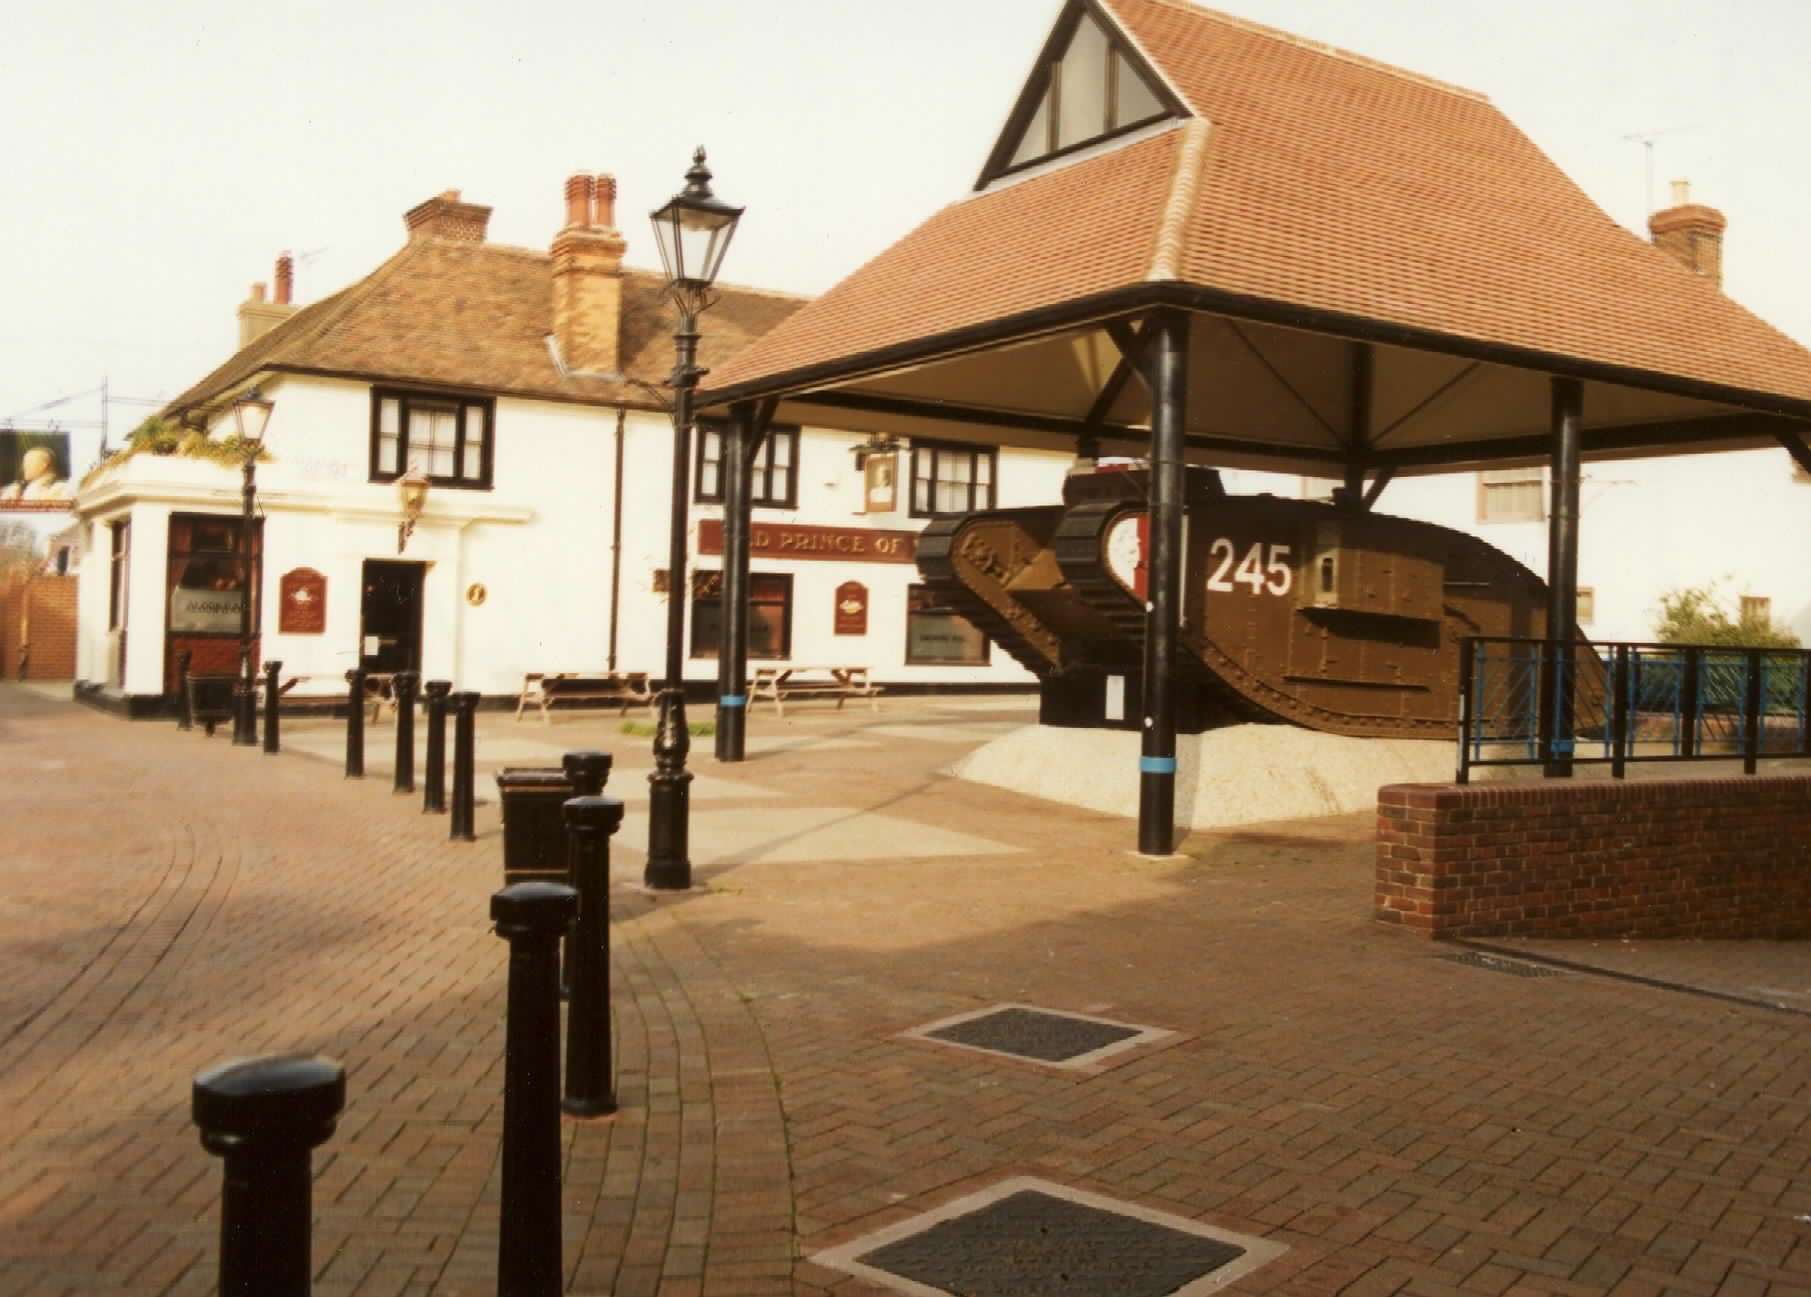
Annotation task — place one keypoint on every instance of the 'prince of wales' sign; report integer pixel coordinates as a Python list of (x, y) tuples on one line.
[(800, 540)]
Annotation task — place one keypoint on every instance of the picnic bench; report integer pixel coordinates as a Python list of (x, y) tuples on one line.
[(776, 684), (543, 689)]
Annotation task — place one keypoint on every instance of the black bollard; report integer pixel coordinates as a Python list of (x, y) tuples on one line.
[(185, 716), (463, 826), (587, 772), (263, 1116), (404, 685), (355, 723), (590, 1087), (531, 916), (433, 797), (272, 692)]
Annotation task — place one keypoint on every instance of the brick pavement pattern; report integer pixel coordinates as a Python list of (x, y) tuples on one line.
[(1400, 1122)]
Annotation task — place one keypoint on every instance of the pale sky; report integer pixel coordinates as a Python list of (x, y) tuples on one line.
[(158, 159)]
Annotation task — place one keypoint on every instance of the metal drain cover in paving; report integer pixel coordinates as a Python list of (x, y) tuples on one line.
[(1031, 1236), (1039, 1035), (1496, 964)]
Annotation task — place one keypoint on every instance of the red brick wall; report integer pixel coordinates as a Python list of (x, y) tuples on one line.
[(1655, 858), (49, 623)]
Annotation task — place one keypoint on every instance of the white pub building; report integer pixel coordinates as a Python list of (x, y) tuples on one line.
[(466, 471)]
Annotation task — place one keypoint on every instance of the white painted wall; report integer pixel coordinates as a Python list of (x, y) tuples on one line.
[(1740, 519)]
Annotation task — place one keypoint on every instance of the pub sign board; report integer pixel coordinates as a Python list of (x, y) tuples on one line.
[(34, 471), (302, 607), (802, 540), (852, 608)]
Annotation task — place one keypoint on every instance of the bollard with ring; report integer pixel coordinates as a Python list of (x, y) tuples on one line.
[(587, 772), (355, 723), (404, 685), (272, 691), (462, 826), (590, 1086), (433, 797), (531, 916), (265, 1116)]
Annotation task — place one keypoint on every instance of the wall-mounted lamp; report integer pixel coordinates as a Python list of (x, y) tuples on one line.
[(412, 486)]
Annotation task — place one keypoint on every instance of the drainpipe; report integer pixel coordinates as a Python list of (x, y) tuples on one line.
[(616, 534)]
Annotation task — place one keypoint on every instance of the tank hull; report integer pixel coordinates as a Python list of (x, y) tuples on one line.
[(1332, 619)]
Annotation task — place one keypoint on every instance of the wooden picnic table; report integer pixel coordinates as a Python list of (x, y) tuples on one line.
[(776, 684)]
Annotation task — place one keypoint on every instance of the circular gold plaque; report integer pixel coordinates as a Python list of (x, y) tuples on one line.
[(476, 594)]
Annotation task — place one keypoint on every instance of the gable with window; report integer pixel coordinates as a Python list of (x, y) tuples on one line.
[(1089, 85), (773, 477), (450, 438), (950, 478)]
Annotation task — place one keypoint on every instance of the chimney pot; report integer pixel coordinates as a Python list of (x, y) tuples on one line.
[(606, 201), (259, 292), (1682, 192), (286, 277), (579, 188)]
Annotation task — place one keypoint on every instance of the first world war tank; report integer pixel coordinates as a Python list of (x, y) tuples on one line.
[(1323, 616)]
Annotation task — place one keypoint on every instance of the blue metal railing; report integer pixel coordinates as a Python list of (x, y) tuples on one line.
[(1555, 704)]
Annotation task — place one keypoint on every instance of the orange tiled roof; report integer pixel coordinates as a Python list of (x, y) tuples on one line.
[(1324, 181), (477, 315)]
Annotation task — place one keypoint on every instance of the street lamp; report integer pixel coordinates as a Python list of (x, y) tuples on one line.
[(412, 489), (693, 231), (251, 416)]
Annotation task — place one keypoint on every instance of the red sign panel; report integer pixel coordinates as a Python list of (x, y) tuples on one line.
[(303, 606), (852, 608)]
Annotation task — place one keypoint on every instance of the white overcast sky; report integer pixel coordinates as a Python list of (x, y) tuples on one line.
[(157, 158)]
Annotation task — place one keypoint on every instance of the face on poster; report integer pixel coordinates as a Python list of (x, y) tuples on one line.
[(34, 471)]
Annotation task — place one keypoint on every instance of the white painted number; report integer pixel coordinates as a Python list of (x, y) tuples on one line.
[(1264, 568)]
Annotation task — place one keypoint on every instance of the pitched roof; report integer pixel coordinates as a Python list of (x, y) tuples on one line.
[(1309, 179), (477, 316)]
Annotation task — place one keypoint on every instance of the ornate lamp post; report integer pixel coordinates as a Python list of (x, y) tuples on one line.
[(251, 416), (693, 231)]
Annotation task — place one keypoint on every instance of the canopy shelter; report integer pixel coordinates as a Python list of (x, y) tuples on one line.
[(1204, 241)]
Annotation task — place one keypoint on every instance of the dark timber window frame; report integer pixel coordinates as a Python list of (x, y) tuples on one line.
[(762, 470), (933, 454), (921, 602), (765, 590), (463, 407), (1048, 70)]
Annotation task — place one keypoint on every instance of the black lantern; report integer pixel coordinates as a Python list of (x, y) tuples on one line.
[(693, 231), (251, 415)]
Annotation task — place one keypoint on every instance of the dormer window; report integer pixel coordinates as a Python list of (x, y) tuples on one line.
[(1089, 86)]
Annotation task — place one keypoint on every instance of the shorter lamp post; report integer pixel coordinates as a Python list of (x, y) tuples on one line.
[(251, 416), (693, 231)]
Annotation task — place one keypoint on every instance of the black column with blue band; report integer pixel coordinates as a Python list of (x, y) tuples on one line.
[(732, 645), (1168, 376)]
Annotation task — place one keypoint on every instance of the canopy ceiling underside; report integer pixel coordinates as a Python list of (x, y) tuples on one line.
[(1265, 396)]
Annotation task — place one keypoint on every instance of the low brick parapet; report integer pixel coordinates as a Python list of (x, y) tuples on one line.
[(1659, 858)]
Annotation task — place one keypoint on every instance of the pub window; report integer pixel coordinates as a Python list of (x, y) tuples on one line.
[(1587, 605), (773, 477), (450, 438), (1512, 495), (938, 635), (769, 614), (1088, 87), (1756, 610), (951, 479), (121, 546), (207, 574)]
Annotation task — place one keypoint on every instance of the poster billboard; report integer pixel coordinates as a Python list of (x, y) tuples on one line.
[(34, 471)]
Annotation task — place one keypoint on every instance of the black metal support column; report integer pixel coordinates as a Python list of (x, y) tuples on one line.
[(1562, 574), (1163, 609), (355, 723), (1468, 649), (462, 823), (1620, 742), (264, 1116), (531, 916), (433, 797), (245, 691), (1754, 714), (590, 1085), (669, 864), (273, 696), (404, 685), (732, 652)]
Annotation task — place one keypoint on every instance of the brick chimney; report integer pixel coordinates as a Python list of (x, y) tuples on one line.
[(588, 278), (257, 315), (445, 217), (1692, 233)]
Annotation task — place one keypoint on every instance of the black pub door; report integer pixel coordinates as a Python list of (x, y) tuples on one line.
[(390, 627)]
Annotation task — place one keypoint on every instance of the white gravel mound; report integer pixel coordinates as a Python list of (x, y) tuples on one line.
[(1242, 774)]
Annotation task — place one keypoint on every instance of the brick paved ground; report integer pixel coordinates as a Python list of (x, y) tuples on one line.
[(1403, 1123)]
